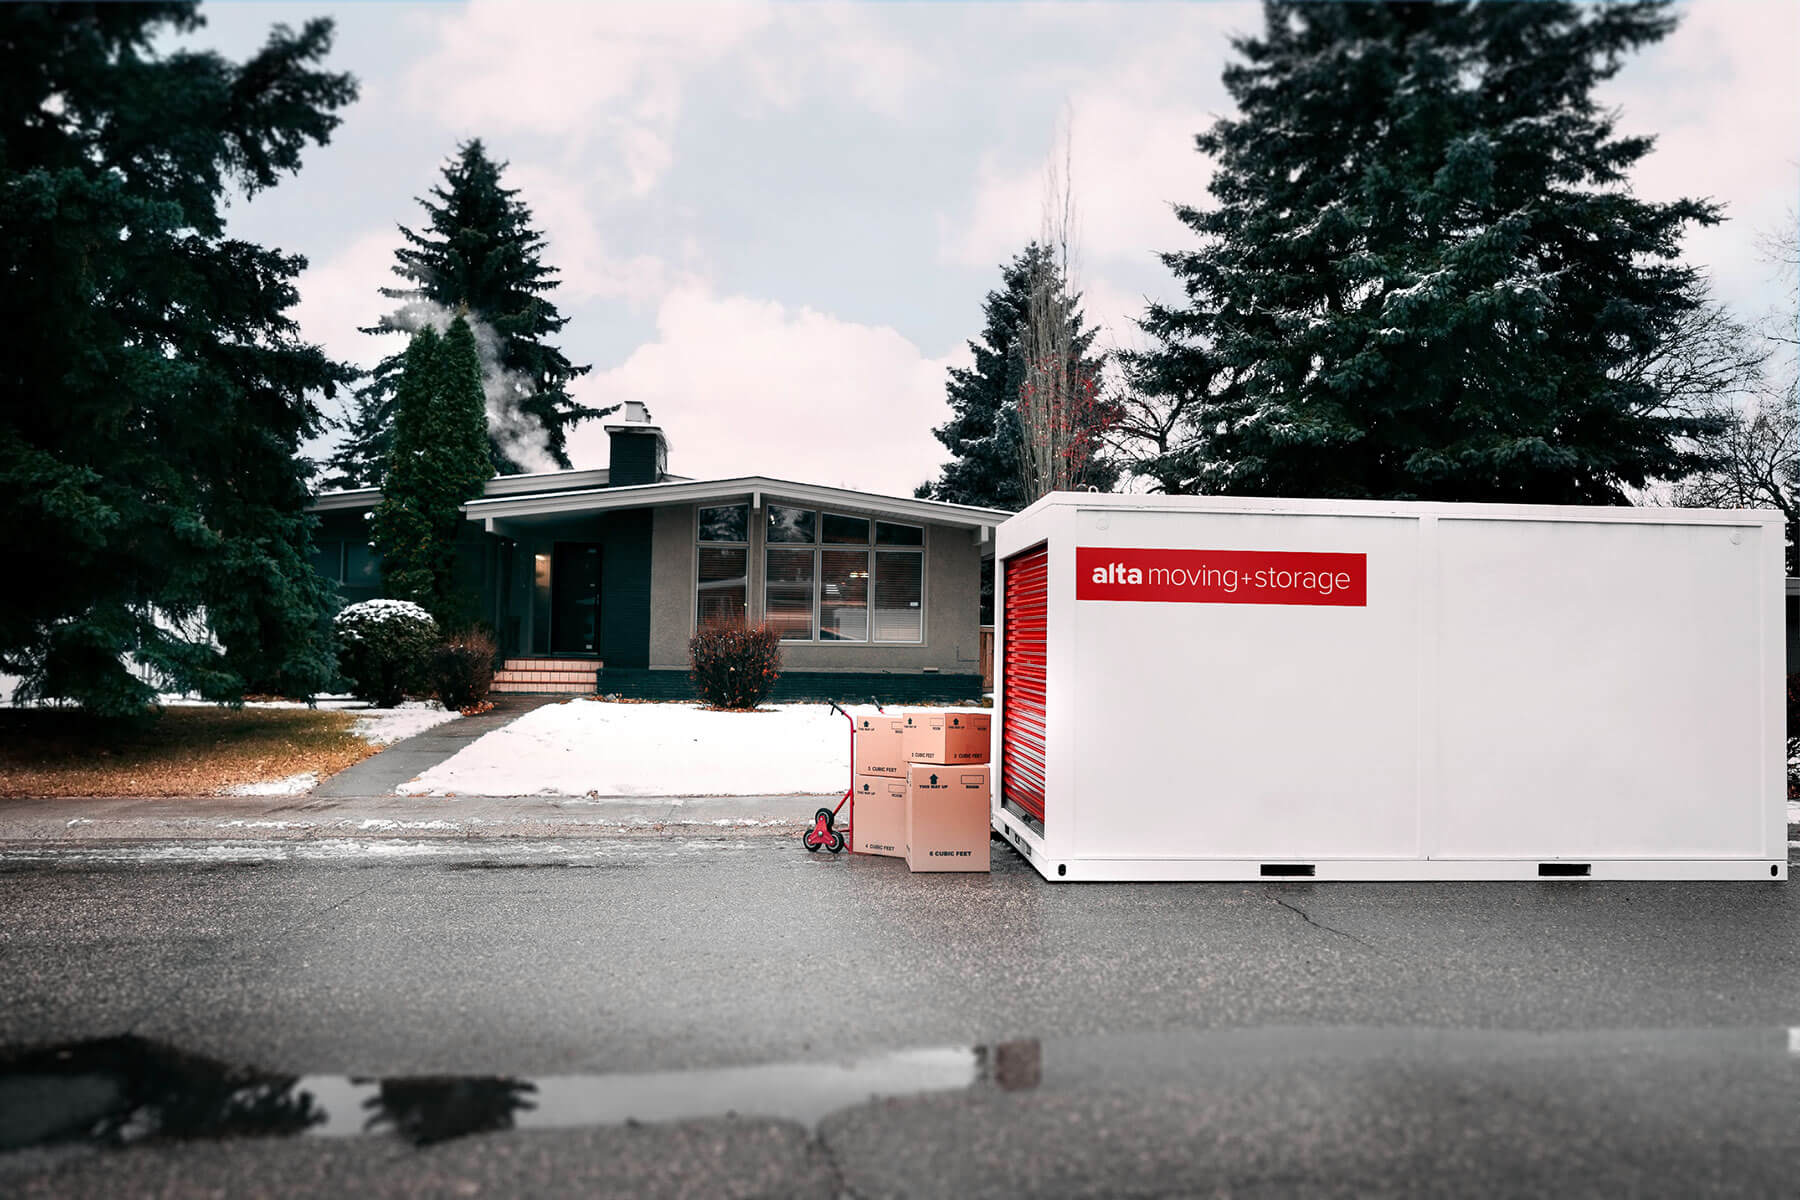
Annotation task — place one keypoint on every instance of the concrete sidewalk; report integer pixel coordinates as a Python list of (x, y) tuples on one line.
[(380, 774), (225, 818)]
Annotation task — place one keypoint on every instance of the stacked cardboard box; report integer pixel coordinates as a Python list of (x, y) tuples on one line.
[(922, 789), (880, 823), (948, 789)]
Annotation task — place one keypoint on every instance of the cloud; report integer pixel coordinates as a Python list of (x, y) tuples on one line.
[(745, 386), (338, 294), (612, 77), (563, 209), (1721, 96), (1133, 158), (578, 71), (1132, 122), (835, 50)]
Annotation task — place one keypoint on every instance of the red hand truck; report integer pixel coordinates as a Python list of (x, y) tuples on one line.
[(822, 835)]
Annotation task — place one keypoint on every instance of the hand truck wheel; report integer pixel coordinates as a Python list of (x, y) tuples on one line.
[(822, 836)]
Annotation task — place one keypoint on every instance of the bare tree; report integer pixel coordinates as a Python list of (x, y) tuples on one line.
[(1707, 359), (1157, 434), (1756, 452), (1063, 416)]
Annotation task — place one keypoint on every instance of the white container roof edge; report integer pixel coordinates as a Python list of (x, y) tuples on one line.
[(1446, 510)]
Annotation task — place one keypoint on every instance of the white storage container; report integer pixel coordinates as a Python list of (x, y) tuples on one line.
[(1224, 688)]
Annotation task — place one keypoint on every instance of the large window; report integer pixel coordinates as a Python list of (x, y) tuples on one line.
[(838, 578), (722, 585), (353, 564)]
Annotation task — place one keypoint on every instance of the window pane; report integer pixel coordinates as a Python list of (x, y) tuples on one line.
[(788, 598), (843, 595), (899, 596), (722, 587), (362, 566), (791, 524), (726, 523), (846, 529), (887, 534), (328, 560)]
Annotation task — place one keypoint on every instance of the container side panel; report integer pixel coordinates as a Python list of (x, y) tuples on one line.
[(1601, 690), (1024, 642), (1268, 728)]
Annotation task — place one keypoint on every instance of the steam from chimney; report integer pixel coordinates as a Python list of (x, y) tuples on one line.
[(519, 435)]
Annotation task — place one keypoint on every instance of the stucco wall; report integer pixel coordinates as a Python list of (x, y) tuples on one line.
[(952, 604), (671, 585)]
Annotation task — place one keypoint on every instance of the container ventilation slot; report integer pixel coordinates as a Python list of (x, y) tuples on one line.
[(1562, 870), (1281, 870)]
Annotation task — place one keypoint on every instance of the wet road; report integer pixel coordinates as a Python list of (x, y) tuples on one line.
[(1086, 1040)]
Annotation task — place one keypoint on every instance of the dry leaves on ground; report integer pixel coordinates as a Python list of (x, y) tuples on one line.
[(180, 752)]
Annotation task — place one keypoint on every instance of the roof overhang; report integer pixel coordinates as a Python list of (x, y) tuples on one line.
[(750, 487), (351, 498)]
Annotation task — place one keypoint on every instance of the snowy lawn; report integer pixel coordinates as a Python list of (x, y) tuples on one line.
[(593, 747), (376, 726)]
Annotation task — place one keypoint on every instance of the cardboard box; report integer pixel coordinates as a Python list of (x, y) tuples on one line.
[(879, 745), (954, 737), (947, 817), (879, 825)]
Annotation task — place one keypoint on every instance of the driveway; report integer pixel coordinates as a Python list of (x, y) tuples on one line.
[(1020, 1038)]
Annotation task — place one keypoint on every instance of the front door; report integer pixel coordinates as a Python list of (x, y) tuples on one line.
[(575, 598)]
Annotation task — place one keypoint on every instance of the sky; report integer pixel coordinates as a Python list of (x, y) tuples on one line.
[(775, 223)]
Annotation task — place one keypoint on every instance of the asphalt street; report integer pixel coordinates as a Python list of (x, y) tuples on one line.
[(706, 1015)]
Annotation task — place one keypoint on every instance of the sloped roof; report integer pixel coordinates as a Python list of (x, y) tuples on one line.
[(587, 491)]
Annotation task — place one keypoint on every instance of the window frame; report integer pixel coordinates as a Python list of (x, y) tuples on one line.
[(870, 550), (746, 545)]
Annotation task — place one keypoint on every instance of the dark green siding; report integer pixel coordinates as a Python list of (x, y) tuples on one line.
[(625, 588)]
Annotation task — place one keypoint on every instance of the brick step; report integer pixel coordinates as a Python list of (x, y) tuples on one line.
[(537, 688), (551, 664), (545, 677)]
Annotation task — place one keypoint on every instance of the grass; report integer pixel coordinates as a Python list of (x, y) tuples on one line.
[(180, 752)]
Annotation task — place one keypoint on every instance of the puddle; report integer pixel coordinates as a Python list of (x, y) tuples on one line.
[(127, 1090), (123, 1091)]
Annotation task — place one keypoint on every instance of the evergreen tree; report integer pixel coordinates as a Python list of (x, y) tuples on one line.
[(982, 434), (153, 392), (1424, 274), (478, 252), (439, 461)]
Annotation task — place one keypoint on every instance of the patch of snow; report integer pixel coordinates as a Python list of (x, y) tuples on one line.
[(1793, 812), (385, 726), (79, 821), (291, 785), (377, 823), (607, 749), (377, 726), (241, 824)]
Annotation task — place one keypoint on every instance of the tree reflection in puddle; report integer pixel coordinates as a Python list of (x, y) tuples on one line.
[(122, 1090), (435, 1109)]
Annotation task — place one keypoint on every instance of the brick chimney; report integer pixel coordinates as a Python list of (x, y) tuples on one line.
[(639, 452)]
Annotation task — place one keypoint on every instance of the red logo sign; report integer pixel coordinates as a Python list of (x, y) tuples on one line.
[(1222, 576)]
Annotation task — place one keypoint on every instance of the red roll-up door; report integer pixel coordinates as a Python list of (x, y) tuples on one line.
[(1023, 665)]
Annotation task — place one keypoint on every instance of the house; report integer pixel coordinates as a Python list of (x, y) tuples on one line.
[(596, 579)]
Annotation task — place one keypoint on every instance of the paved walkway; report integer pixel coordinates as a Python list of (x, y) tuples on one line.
[(380, 774)]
